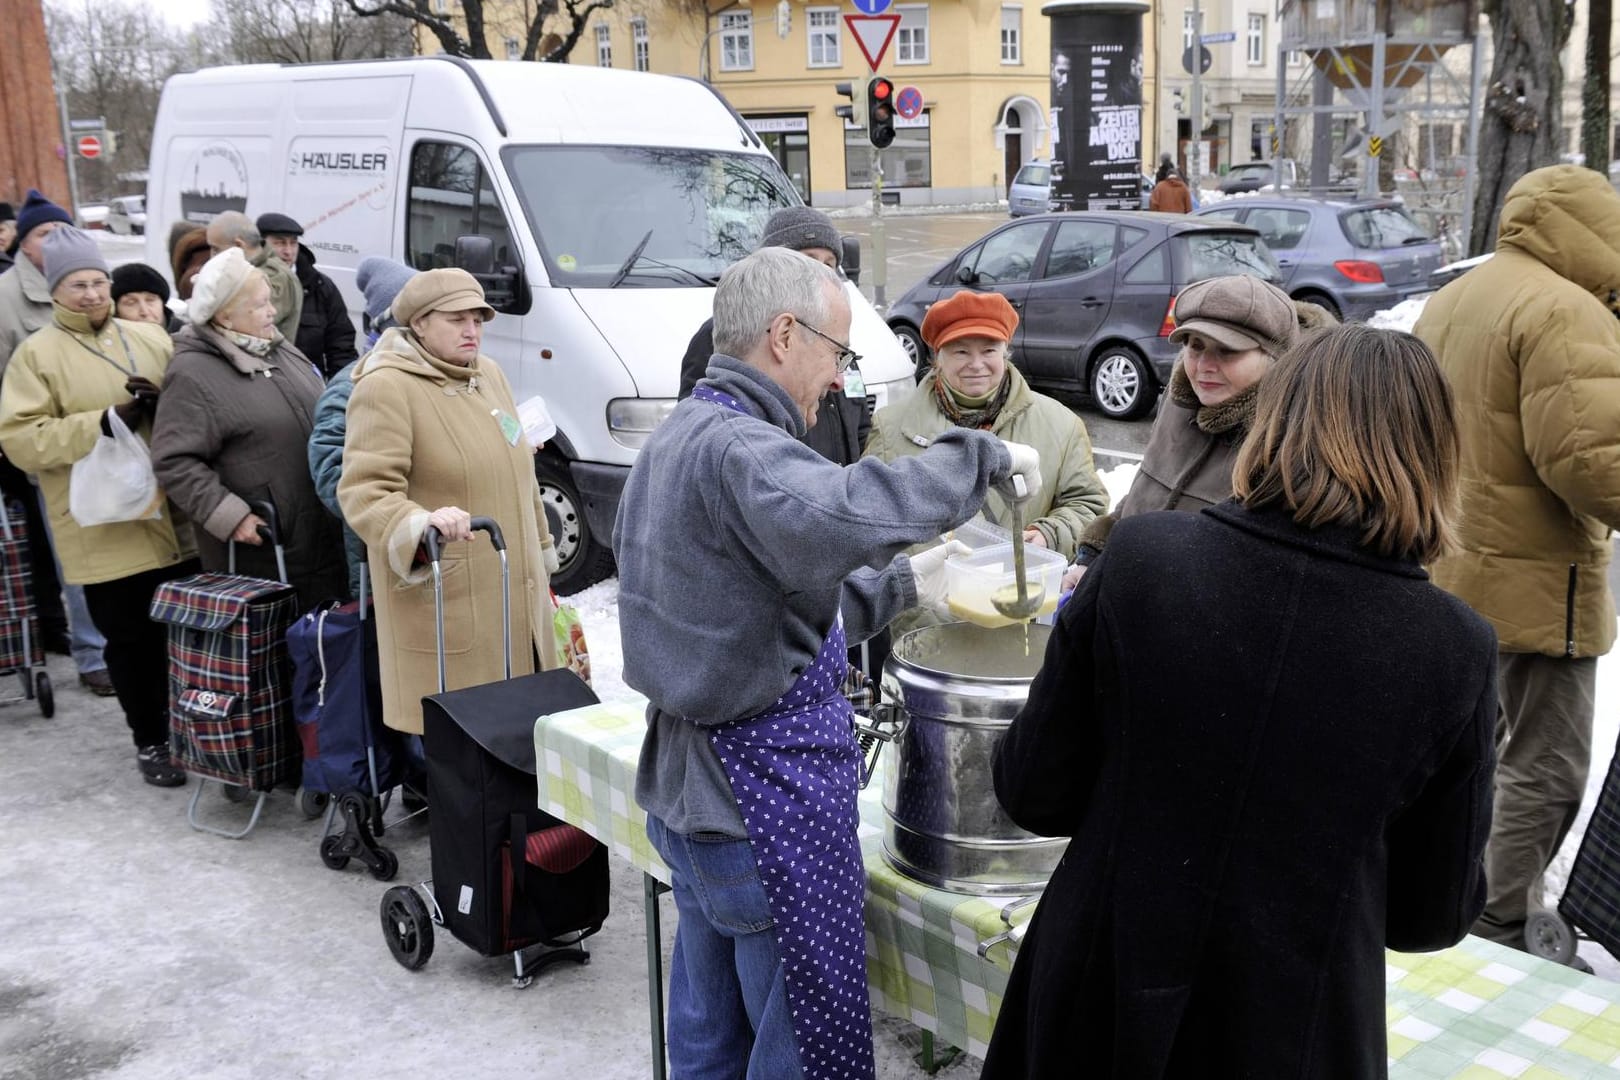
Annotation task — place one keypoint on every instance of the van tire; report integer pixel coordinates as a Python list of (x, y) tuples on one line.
[(585, 558)]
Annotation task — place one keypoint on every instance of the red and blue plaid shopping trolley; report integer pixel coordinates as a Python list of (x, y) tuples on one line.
[(22, 652), (230, 684)]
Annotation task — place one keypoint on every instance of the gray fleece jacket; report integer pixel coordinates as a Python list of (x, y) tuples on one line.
[(738, 546)]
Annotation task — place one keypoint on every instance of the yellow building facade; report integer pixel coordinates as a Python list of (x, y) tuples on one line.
[(983, 68)]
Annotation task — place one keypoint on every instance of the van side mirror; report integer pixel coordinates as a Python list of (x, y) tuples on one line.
[(965, 274), (850, 257), (503, 286)]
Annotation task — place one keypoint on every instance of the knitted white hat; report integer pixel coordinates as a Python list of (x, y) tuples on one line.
[(217, 282)]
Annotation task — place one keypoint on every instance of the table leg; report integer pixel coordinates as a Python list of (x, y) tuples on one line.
[(650, 888), (925, 1057)]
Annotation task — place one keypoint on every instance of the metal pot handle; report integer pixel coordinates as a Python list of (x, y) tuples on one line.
[(886, 724)]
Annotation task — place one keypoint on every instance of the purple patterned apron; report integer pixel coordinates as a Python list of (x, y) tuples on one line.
[(795, 772)]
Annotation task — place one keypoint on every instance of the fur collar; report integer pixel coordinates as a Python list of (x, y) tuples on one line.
[(1231, 416)]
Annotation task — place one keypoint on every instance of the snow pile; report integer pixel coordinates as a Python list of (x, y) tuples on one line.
[(1403, 316)]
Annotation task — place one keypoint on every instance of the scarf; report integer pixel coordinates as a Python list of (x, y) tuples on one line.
[(254, 346), (971, 412), (1234, 415)]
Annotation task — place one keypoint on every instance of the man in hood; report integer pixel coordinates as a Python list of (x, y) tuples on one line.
[(325, 331), (1531, 344)]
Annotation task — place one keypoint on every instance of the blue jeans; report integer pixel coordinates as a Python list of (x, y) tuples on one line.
[(728, 1009), (84, 640)]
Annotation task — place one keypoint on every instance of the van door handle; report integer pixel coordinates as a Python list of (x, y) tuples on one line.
[(1091, 301), (1015, 303)]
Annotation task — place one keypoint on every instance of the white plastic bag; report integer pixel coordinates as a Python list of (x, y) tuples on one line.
[(114, 482)]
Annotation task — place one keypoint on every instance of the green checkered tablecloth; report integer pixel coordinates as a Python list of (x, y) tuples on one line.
[(1476, 1011)]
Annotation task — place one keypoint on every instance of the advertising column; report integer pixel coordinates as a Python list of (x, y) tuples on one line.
[(1096, 103)]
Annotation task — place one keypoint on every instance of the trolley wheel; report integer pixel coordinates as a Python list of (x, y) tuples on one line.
[(235, 793), (387, 865), (407, 927), (44, 694), (332, 854), (312, 804), (1549, 936)]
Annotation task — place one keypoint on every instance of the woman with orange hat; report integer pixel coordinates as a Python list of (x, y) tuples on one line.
[(972, 385)]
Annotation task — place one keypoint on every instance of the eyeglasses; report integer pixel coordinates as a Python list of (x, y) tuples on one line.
[(80, 288), (846, 355)]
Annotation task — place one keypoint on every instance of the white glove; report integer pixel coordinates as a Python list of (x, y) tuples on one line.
[(548, 553), (928, 568), (1026, 463)]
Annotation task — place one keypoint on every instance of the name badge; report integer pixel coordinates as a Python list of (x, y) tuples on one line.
[(511, 430), (854, 384)]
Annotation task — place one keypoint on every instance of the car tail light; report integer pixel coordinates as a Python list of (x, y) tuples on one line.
[(1363, 273), (1169, 323)]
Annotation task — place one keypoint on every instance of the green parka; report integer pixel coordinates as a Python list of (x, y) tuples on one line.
[(1071, 495), (1531, 344)]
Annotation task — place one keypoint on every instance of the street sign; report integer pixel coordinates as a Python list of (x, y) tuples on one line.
[(89, 146), (92, 123), (1219, 39), (872, 35), (1375, 146), (908, 102), (1205, 59), (871, 7)]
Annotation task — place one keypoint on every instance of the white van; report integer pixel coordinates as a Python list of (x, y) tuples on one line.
[(610, 201)]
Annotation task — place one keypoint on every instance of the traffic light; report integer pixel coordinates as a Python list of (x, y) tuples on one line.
[(880, 111), (855, 111)]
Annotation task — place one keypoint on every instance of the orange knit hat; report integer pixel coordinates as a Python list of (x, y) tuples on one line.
[(969, 314)]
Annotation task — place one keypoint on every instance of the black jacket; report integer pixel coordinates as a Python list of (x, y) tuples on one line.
[(841, 423), (325, 331), (1273, 750)]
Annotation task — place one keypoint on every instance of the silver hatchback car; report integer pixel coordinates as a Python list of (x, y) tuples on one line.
[(1031, 189)]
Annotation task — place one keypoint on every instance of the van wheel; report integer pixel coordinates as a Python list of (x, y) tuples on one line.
[(916, 351), (1122, 385), (584, 557)]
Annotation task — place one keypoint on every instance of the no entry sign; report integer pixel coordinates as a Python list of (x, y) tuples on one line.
[(89, 146)]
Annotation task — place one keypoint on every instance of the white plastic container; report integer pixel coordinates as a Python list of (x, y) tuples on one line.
[(972, 579), (538, 426)]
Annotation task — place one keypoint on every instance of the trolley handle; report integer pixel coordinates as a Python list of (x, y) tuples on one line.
[(269, 532), (434, 539)]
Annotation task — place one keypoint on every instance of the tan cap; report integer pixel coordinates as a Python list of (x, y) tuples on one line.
[(445, 289), (1239, 312)]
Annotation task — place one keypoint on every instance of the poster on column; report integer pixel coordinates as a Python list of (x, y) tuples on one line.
[(1097, 111)]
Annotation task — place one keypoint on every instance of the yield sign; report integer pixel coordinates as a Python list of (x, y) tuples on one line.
[(872, 35)]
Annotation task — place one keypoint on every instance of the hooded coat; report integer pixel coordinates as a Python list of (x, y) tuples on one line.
[(233, 428), (1171, 195), (1531, 344), (52, 401), (423, 434), (25, 306)]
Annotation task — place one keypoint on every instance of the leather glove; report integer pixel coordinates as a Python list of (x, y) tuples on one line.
[(928, 569), (130, 412), (139, 386), (1026, 462)]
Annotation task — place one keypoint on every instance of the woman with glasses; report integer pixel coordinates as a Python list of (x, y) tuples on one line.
[(232, 435), (972, 385), (63, 388)]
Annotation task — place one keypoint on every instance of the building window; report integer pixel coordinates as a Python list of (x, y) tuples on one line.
[(514, 49), (1189, 29), (441, 7), (737, 41), (1012, 46), (638, 43), (604, 46), (911, 40), (825, 49), (906, 162), (1295, 58), (1257, 40)]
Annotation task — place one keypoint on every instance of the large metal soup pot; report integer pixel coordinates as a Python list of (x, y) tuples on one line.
[(958, 688)]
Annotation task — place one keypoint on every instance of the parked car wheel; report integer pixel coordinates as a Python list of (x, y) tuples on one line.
[(583, 557), (1122, 383), (911, 341)]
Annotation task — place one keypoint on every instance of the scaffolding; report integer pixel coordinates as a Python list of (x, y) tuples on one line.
[(1381, 71)]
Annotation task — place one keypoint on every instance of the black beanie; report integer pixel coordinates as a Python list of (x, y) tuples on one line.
[(138, 277), (7, 213)]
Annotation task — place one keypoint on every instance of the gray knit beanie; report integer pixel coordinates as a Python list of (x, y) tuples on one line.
[(800, 227), (68, 249), (380, 280)]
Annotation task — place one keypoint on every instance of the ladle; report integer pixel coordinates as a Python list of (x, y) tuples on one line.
[(1017, 601)]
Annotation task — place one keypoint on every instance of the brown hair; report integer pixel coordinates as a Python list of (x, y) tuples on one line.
[(1357, 427)]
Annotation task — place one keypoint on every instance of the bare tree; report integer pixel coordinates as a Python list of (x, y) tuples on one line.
[(546, 30), (1523, 112), (307, 32), (1595, 90)]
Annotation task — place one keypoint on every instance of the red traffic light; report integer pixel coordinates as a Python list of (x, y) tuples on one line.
[(882, 89)]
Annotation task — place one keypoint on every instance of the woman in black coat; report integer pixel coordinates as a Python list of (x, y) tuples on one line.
[(1271, 740)]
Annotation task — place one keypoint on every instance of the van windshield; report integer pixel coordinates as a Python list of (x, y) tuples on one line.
[(635, 216)]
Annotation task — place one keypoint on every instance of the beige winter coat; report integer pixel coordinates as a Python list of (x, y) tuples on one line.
[(25, 306), (424, 434), (1531, 345), (51, 404)]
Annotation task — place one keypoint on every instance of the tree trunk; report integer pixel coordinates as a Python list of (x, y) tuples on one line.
[(1522, 120), (1595, 90)]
